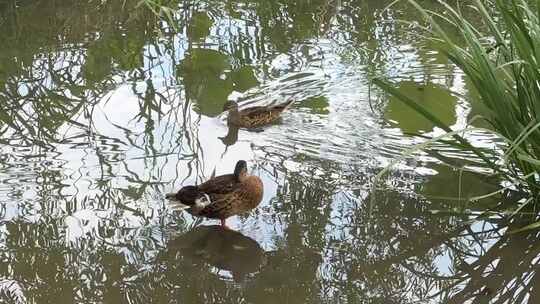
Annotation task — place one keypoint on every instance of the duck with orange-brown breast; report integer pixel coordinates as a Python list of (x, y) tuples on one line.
[(222, 196)]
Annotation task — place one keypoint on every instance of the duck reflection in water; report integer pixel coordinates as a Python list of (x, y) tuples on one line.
[(231, 138), (224, 249)]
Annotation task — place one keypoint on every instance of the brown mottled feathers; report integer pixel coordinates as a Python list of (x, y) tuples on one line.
[(243, 197), (219, 184), (257, 116), (222, 196)]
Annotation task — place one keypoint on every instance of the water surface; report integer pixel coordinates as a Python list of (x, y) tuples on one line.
[(104, 107)]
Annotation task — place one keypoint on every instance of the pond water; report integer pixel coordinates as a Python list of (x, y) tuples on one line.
[(105, 107)]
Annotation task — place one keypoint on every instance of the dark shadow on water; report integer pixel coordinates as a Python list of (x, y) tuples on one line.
[(224, 249)]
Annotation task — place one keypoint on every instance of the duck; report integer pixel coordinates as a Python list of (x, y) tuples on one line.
[(222, 196), (255, 116)]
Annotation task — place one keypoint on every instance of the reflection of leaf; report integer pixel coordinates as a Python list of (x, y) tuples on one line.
[(438, 101), (200, 26), (203, 73), (133, 192), (318, 105), (127, 50), (450, 185), (244, 78), (206, 61), (98, 64)]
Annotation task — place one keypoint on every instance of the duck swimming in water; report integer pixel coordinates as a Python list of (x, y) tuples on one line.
[(222, 196), (255, 116)]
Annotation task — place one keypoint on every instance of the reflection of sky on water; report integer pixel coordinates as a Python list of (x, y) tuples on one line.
[(347, 134), (114, 164)]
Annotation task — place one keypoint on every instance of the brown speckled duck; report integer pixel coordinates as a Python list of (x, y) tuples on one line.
[(222, 196), (255, 116)]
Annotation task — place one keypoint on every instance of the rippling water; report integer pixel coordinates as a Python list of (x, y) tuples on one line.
[(104, 107)]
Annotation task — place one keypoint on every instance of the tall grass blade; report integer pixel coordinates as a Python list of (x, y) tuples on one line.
[(502, 62)]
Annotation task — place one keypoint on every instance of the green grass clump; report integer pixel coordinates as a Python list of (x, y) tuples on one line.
[(503, 64)]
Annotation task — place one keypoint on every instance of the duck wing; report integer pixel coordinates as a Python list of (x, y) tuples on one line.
[(260, 115), (188, 195), (227, 204), (222, 184), (262, 111), (230, 198)]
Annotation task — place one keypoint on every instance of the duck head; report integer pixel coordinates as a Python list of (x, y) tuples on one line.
[(230, 105), (240, 171)]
